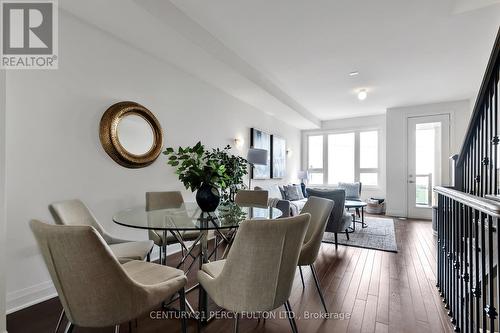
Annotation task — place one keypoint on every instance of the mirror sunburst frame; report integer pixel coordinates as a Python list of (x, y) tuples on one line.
[(108, 134)]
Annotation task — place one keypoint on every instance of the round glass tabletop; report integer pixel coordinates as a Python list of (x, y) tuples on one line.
[(354, 204), (189, 217)]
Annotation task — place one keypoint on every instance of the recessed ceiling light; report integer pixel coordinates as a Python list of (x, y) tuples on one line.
[(354, 73), (362, 94)]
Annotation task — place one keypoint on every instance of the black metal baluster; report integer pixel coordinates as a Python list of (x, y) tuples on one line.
[(445, 253), (447, 258), (472, 264), (483, 270), (477, 286), (476, 157), (454, 296), (481, 155), (460, 315), (465, 265), (490, 150), (497, 242), (490, 308), (439, 282), (495, 139)]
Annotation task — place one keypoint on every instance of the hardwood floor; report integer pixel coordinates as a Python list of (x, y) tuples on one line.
[(365, 290)]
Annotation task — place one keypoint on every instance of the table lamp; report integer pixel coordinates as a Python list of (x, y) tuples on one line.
[(303, 174)]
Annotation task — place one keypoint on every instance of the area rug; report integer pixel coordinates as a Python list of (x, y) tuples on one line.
[(379, 235)]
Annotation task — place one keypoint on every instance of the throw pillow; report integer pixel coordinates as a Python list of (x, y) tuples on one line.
[(293, 192), (301, 193), (275, 192), (351, 190), (283, 194)]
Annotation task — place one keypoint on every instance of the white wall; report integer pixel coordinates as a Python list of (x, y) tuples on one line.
[(3, 266), (396, 119), (54, 151), (357, 123)]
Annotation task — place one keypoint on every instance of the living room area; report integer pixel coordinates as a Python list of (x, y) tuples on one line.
[(249, 166)]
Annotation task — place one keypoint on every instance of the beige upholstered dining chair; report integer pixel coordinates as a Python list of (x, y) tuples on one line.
[(164, 200), (251, 198), (259, 270), (94, 288), (75, 212), (320, 210)]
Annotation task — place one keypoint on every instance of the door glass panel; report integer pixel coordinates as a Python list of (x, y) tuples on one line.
[(427, 162)]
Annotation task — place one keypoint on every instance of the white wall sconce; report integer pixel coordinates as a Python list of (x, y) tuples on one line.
[(289, 153), (239, 142)]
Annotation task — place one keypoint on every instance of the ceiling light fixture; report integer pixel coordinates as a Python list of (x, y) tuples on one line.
[(354, 73), (362, 94)]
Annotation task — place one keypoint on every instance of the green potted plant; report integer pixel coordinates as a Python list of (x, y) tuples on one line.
[(209, 172)]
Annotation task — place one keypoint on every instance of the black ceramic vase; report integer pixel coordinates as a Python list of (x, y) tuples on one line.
[(208, 198)]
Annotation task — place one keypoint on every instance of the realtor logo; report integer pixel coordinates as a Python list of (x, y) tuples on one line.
[(29, 35)]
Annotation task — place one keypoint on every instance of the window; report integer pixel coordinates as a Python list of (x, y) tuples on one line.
[(315, 159), (344, 157), (341, 158), (368, 158)]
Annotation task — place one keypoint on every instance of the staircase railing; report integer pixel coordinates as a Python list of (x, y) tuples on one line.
[(467, 259), (476, 170), (468, 214)]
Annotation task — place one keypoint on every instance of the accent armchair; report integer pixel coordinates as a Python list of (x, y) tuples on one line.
[(339, 221)]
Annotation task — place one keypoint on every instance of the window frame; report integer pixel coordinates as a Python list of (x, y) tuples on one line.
[(357, 151)]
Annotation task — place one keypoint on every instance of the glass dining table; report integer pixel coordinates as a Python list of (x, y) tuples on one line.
[(189, 217)]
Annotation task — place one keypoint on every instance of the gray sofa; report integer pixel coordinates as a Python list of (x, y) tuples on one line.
[(288, 207)]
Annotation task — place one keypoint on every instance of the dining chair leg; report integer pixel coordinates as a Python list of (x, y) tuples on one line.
[(216, 247), (69, 328), (236, 322), (336, 244), (164, 255), (59, 322), (117, 328), (315, 275), (182, 307), (347, 234), (302, 278), (291, 318)]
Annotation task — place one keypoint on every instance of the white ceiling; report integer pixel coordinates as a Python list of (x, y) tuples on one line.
[(291, 58), (407, 52)]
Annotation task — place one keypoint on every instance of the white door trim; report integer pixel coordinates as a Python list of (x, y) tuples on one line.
[(445, 174)]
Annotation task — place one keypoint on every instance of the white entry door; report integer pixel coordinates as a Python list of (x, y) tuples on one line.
[(428, 162)]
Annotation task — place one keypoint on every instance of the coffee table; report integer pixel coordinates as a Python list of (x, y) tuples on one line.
[(352, 204)]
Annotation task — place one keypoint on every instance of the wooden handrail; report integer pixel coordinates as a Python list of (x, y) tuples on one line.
[(488, 206)]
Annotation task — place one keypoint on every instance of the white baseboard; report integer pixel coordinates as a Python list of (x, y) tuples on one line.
[(23, 298), (32, 295), (395, 213)]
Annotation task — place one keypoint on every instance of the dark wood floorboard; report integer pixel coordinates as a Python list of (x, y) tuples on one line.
[(371, 291)]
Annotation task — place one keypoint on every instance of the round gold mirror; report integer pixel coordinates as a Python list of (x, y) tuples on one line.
[(131, 135)]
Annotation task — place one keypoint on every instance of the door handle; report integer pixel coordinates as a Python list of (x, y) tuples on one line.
[(411, 181)]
